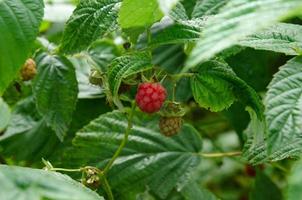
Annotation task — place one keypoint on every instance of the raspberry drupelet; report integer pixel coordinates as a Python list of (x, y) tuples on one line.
[(150, 97)]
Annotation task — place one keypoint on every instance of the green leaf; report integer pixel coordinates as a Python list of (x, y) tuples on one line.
[(27, 136), (125, 66), (177, 33), (4, 114), (19, 24), (210, 89), (139, 13), (264, 188), (216, 86), (19, 183), (284, 111), (235, 21), (254, 150), (55, 90), (148, 157), (207, 7), (178, 13), (294, 191), (91, 19), (281, 37)]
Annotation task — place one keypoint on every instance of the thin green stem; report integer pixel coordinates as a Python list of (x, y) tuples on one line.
[(106, 186), (124, 141), (66, 170), (174, 91), (218, 155)]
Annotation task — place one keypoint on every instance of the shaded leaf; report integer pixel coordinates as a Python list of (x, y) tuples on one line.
[(294, 191), (103, 52), (27, 136), (264, 188), (193, 191), (55, 90)]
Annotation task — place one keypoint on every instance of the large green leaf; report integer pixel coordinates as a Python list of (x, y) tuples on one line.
[(236, 20), (90, 20), (207, 7), (148, 158), (294, 182), (125, 66), (216, 86), (19, 23), (284, 111), (27, 136), (19, 183), (55, 90), (4, 114), (281, 37)]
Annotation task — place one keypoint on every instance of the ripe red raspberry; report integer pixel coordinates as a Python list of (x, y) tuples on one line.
[(150, 97)]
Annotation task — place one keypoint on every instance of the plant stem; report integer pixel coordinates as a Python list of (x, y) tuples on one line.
[(124, 141), (218, 155), (66, 170), (106, 185)]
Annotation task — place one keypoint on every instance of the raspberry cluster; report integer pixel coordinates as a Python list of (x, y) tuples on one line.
[(150, 97)]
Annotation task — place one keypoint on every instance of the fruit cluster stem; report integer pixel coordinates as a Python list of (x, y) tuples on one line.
[(106, 186)]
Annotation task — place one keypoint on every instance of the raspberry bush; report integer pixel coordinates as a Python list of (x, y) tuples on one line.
[(150, 99)]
